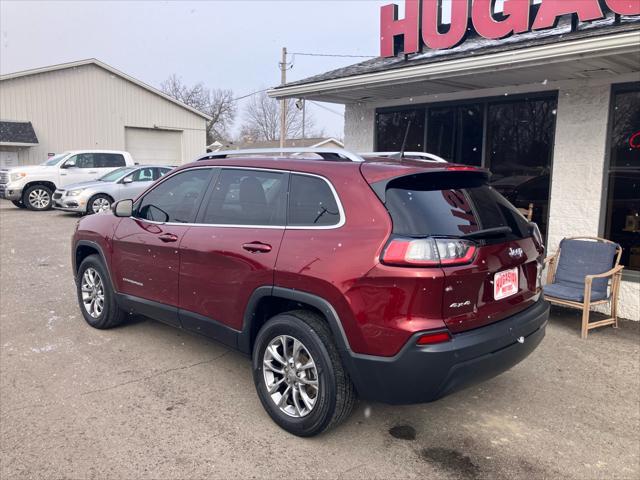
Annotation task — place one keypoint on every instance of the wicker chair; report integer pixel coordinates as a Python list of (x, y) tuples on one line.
[(527, 212), (585, 271)]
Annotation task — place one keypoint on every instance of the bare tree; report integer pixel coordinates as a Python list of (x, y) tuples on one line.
[(261, 120), (217, 103)]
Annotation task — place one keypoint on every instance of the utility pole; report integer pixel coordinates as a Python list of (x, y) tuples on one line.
[(304, 113), (283, 102)]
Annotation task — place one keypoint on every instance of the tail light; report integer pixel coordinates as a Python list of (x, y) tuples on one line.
[(434, 337), (429, 252)]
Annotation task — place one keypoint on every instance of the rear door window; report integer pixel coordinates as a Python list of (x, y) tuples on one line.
[(160, 172), (312, 203), (248, 198), (108, 160), (450, 205)]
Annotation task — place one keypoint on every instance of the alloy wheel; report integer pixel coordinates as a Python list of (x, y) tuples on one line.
[(39, 198), (290, 376), (100, 205), (92, 292)]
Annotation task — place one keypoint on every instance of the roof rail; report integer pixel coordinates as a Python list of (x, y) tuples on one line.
[(331, 154)]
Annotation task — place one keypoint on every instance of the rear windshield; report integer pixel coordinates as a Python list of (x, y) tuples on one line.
[(449, 204)]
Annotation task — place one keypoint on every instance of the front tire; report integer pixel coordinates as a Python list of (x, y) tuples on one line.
[(99, 203), (38, 198), (96, 298), (298, 374)]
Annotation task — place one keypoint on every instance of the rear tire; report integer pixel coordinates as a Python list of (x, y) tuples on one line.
[(303, 410), (38, 198), (18, 203), (96, 298)]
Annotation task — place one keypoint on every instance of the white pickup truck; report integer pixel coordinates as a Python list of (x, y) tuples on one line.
[(32, 187)]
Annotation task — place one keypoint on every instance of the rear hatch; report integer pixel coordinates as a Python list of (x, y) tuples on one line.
[(453, 220)]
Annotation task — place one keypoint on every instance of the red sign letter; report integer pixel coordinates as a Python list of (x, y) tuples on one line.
[(391, 27), (550, 10), (517, 21), (624, 7), (430, 23)]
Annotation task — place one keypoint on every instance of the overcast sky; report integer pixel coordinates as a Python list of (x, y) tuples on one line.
[(225, 44)]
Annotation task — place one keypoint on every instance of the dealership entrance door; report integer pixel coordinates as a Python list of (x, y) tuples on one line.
[(511, 136)]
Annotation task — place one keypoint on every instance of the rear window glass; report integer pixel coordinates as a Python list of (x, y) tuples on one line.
[(449, 205)]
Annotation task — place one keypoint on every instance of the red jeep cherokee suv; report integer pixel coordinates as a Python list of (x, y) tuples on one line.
[(395, 281)]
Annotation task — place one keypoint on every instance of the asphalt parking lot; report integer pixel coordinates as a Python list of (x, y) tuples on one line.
[(149, 401)]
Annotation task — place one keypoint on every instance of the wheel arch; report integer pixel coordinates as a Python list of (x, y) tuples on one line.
[(265, 302), (104, 194), (44, 183), (85, 248)]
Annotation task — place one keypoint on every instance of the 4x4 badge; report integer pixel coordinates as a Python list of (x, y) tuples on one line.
[(515, 252)]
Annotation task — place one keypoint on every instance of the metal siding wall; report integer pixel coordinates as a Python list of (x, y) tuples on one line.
[(89, 107)]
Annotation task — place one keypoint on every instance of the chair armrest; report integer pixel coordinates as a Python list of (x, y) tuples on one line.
[(610, 273), (550, 263)]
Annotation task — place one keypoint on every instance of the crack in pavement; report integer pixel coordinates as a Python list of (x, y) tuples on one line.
[(89, 392)]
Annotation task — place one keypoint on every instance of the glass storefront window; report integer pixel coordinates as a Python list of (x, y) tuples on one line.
[(392, 126), (455, 133), (512, 138), (519, 149), (622, 214)]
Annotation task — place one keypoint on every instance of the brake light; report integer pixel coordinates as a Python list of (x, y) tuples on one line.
[(462, 168), (429, 252), (432, 338)]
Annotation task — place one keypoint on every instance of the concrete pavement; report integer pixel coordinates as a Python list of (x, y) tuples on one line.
[(149, 401)]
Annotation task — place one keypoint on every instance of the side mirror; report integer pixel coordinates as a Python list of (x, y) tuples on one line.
[(69, 164), (127, 180), (123, 208)]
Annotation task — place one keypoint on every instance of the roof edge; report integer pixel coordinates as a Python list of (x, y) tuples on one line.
[(554, 52), (109, 68)]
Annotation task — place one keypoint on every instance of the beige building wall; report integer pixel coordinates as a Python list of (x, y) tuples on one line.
[(89, 107)]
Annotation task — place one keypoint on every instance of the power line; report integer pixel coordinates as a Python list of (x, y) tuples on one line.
[(250, 94), (326, 108)]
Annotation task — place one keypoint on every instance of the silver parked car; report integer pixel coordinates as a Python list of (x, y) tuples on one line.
[(98, 195)]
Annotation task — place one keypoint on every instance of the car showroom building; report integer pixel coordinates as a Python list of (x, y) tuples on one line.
[(544, 93), (91, 105)]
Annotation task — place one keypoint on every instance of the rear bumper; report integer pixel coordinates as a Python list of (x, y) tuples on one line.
[(424, 374)]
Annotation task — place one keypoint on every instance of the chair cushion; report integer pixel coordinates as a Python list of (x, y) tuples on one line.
[(566, 292), (579, 258)]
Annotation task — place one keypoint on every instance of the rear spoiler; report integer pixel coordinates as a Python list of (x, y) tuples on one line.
[(462, 174)]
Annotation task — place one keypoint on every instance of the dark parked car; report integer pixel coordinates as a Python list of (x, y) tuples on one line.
[(395, 281)]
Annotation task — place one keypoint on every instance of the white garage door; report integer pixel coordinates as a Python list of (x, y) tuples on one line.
[(150, 146)]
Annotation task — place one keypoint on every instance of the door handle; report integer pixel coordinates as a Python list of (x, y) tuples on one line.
[(168, 237), (257, 247), (93, 172)]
